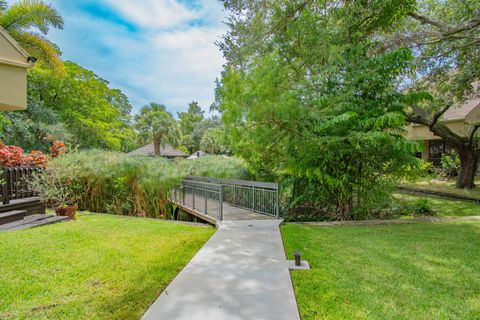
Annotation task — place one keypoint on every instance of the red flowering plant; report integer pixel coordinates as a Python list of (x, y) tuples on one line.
[(36, 159), (57, 148), (11, 156)]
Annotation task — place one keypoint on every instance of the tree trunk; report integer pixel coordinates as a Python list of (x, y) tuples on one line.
[(468, 169), (157, 141), (467, 147), (344, 208)]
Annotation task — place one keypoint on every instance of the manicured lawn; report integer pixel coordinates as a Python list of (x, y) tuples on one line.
[(97, 267), (416, 271), (443, 186), (443, 206)]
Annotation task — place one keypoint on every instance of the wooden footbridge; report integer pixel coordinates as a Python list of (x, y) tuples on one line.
[(213, 199)]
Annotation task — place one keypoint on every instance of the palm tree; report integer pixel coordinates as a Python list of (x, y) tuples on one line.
[(28, 22), (155, 123)]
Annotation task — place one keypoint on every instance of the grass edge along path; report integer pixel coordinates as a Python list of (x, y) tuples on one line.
[(409, 271), (97, 267)]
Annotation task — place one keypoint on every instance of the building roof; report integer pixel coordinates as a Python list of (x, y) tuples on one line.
[(461, 112), (16, 55), (198, 154), (166, 150)]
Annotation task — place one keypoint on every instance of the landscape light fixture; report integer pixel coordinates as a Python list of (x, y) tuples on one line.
[(298, 258)]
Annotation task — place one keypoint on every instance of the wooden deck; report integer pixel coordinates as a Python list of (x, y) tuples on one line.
[(32, 221), (31, 205), (230, 213)]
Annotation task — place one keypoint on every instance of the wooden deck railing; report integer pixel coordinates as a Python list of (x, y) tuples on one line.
[(15, 183)]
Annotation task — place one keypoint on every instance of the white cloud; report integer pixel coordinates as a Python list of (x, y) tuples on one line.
[(154, 13), (171, 63)]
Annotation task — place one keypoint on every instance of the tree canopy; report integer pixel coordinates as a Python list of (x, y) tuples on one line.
[(444, 36), (156, 124), (96, 115), (309, 97), (28, 22)]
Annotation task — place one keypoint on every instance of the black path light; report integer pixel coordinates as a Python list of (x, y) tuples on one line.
[(298, 258)]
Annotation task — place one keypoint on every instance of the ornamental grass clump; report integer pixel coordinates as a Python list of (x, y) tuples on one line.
[(214, 167), (116, 183)]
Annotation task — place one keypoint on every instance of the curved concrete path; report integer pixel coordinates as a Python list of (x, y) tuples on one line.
[(241, 273)]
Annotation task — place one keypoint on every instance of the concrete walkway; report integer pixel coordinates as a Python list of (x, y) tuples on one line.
[(240, 274)]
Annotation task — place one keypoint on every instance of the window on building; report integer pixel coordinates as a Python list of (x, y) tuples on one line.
[(435, 149)]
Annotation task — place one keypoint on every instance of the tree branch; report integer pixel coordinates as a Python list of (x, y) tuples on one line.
[(473, 131), (445, 29), (437, 116), (419, 116)]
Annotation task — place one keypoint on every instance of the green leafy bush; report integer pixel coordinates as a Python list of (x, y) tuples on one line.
[(422, 169), (450, 165), (116, 183), (423, 206), (214, 166)]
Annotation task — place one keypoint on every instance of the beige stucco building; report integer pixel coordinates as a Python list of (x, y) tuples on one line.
[(14, 62), (458, 119)]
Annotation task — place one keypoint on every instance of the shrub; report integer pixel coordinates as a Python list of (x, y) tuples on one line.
[(450, 165), (36, 159), (117, 183), (12, 156), (214, 166), (423, 206), (57, 148), (52, 189)]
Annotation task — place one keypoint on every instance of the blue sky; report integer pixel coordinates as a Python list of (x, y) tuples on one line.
[(153, 50)]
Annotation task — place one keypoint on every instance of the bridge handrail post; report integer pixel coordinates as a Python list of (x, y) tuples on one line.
[(183, 195), (253, 199), (206, 199), (5, 187), (221, 202), (193, 197), (277, 204)]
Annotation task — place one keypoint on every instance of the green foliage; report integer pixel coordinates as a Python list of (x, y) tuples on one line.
[(53, 189), (424, 168), (423, 206), (95, 115), (116, 183), (155, 124), (315, 104), (189, 122), (35, 128), (215, 167), (23, 20), (450, 165), (442, 206), (213, 141), (193, 126), (183, 149)]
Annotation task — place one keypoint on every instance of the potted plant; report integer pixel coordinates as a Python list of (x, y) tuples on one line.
[(54, 193)]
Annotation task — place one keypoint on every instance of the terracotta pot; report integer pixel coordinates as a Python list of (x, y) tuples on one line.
[(69, 212)]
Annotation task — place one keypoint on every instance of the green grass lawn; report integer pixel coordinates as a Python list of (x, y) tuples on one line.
[(443, 206), (447, 186), (415, 271), (97, 267)]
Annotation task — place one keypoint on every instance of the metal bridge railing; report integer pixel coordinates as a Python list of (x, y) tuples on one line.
[(206, 198), (260, 197)]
